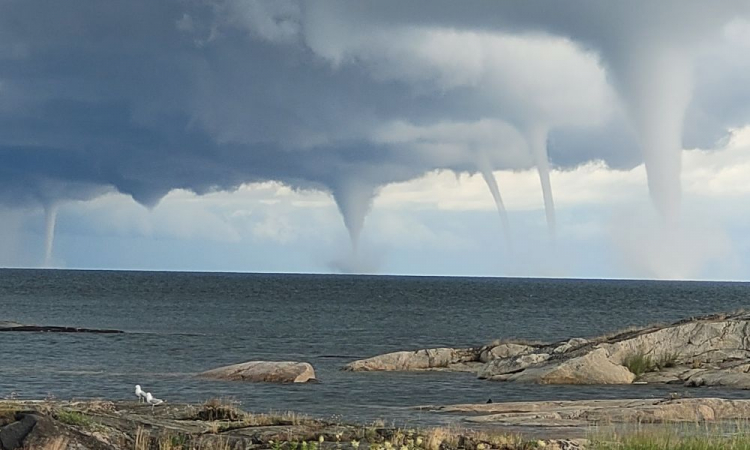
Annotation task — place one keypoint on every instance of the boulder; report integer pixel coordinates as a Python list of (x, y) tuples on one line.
[(13, 435), (264, 371), (426, 359)]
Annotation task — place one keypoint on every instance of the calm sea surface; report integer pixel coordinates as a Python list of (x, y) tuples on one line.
[(178, 324)]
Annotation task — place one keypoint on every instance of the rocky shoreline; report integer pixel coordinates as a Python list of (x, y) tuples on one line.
[(556, 425), (704, 351), (105, 425)]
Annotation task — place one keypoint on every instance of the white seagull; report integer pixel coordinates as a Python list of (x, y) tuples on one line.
[(151, 400), (139, 393)]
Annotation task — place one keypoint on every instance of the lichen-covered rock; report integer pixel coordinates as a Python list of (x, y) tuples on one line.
[(264, 371)]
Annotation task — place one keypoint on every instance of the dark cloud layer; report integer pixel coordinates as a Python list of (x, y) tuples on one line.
[(144, 97)]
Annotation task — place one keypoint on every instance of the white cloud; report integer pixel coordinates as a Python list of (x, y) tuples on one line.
[(723, 172), (528, 79), (275, 228)]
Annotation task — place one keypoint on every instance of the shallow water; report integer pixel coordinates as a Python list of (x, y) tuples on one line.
[(178, 324)]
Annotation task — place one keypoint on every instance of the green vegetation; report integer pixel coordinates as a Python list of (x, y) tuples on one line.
[(75, 418), (639, 363), (671, 440)]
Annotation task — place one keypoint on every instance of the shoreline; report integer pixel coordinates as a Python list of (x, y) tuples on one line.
[(216, 424)]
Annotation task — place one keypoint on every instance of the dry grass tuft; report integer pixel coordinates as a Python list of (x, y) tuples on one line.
[(218, 409), (435, 438), (142, 440), (457, 437)]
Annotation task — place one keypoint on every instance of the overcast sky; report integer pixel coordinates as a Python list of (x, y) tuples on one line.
[(568, 139)]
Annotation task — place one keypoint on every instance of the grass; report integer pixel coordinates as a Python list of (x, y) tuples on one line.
[(74, 418), (639, 363), (144, 441), (223, 415), (671, 440), (218, 409)]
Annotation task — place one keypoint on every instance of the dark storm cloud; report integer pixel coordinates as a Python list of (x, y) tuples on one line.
[(117, 95), (144, 97)]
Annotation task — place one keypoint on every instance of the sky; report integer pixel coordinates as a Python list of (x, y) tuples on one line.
[(570, 139)]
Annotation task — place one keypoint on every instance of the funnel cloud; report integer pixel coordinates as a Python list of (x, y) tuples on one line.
[(144, 98)]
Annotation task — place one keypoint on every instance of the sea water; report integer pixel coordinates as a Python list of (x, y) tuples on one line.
[(179, 324)]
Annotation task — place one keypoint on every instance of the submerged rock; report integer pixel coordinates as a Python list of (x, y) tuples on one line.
[(15, 326), (264, 371)]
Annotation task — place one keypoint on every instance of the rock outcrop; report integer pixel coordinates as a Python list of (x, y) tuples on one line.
[(428, 359), (442, 359), (103, 425), (706, 351), (590, 368), (264, 371), (585, 413)]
